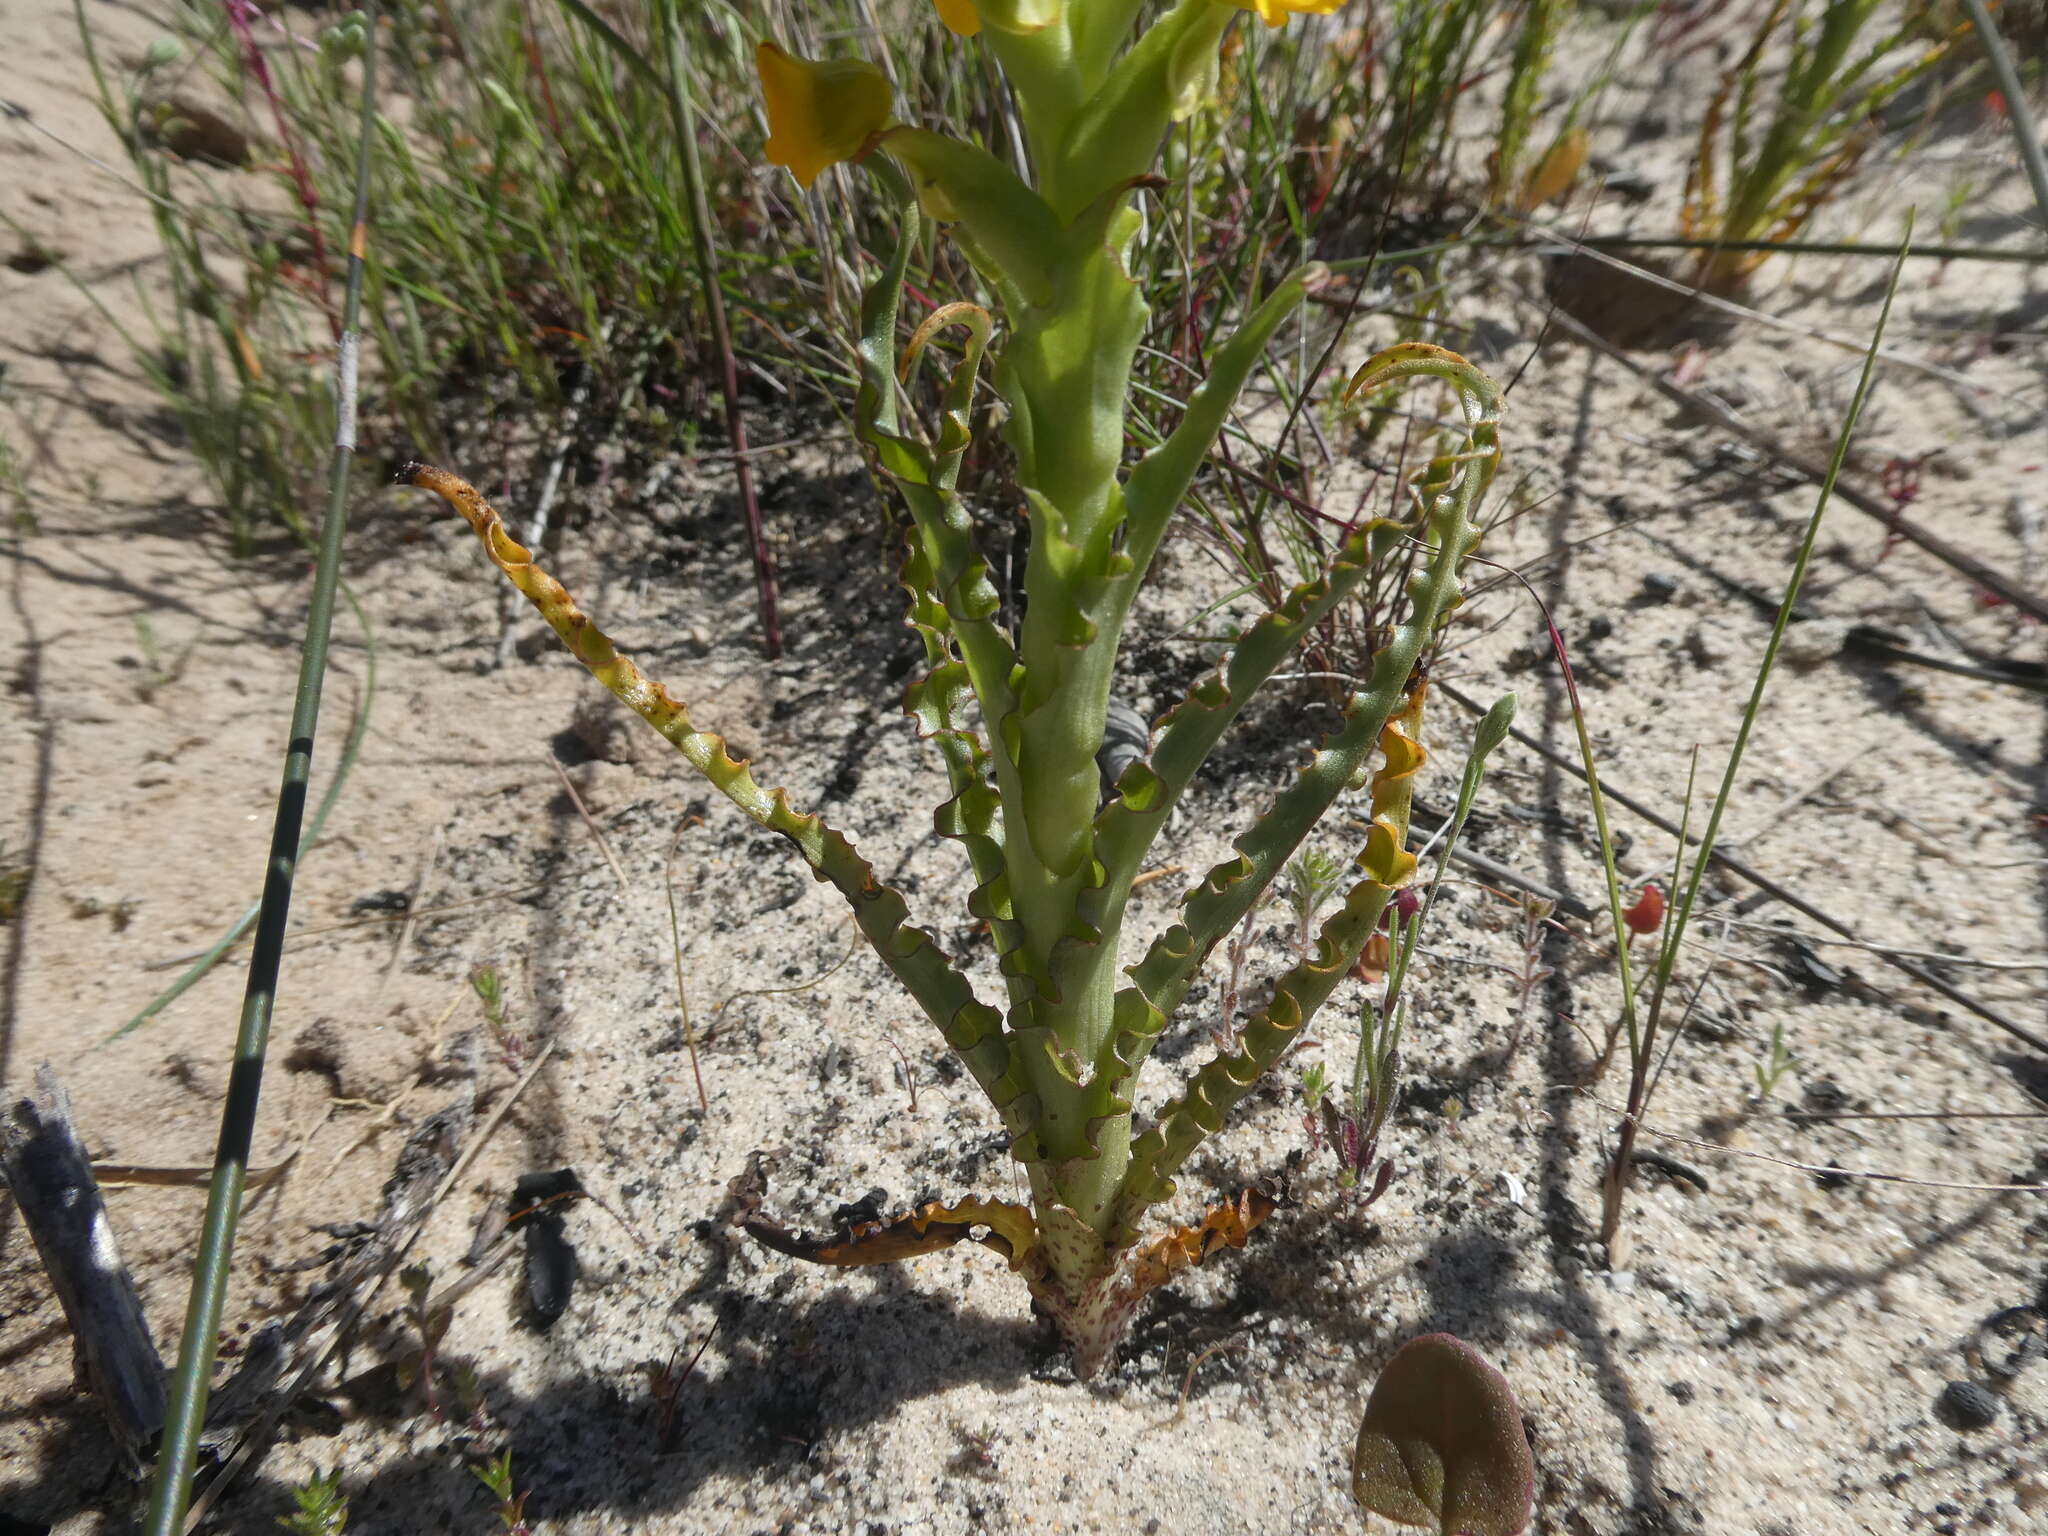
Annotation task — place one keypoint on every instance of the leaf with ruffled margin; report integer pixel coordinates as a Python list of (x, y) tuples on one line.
[(1006, 1227), (1159, 481), (1223, 1226), (1117, 134), (970, 1027), (1449, 492), (1149, 789), (1007, 230), (1214, 1090), (954, 572)]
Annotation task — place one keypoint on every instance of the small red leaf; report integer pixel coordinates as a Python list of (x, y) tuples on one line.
[(1442, 1444)]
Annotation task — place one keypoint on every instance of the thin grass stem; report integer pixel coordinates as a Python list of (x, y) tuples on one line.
[(189, 1383), (1642, 1045)]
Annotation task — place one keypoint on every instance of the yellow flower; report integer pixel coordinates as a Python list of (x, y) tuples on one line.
[(1274, 13), (960, 16), (820, 112)]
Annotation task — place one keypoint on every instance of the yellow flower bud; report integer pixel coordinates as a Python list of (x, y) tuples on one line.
[(1274, 13), (960, 16), (820, 112)]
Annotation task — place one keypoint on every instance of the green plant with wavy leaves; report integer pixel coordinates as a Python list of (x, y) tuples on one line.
[(1017, 712)]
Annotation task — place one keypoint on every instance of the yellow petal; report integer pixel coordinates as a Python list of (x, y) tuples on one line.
[(1274, 13), (820, 112), (960, 16)]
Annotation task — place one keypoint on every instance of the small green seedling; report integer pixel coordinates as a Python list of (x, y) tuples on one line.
[(1312, 879), (322, 1508), (496, 1475), (1442, 1445), (1776, 1062)]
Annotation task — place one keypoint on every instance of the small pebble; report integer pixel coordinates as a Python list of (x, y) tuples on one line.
[(1966, 1405), (1658, 587)]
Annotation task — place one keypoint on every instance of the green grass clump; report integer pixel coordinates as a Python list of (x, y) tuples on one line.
[(529, 230), (1782, 136)]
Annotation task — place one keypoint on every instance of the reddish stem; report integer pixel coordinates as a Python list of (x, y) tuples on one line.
[(241, 16)]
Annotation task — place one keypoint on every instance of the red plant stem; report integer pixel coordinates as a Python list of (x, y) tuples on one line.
[(743, 472), (529, 42), (703, 235), (241, 14)]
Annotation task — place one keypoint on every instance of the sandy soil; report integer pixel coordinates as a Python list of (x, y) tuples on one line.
[(1766, 1356)]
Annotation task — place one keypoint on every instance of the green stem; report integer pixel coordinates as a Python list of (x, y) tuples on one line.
[(1641, 1046), (189, 1384)]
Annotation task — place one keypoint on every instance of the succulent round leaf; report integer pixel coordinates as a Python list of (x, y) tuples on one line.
[(1442, 1444)]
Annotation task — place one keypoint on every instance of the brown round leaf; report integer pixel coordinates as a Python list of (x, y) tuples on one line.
[(1442, 1444)]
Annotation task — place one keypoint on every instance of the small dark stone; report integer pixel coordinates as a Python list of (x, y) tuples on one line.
[(1683, 1391), (869, 1207), (1599, 627), (1658, 587), (538, 1203), (1825, 1096), (381, 901), (831, 1062), (1808, 967), (1966, 1405)]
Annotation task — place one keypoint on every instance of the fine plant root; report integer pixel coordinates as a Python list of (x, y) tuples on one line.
[(1831, 1170), (794, 987), (597, 833)]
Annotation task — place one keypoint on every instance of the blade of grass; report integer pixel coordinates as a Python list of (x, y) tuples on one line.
[(344, 765), (675, 934), (189, 1383), (1642, 1044)]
